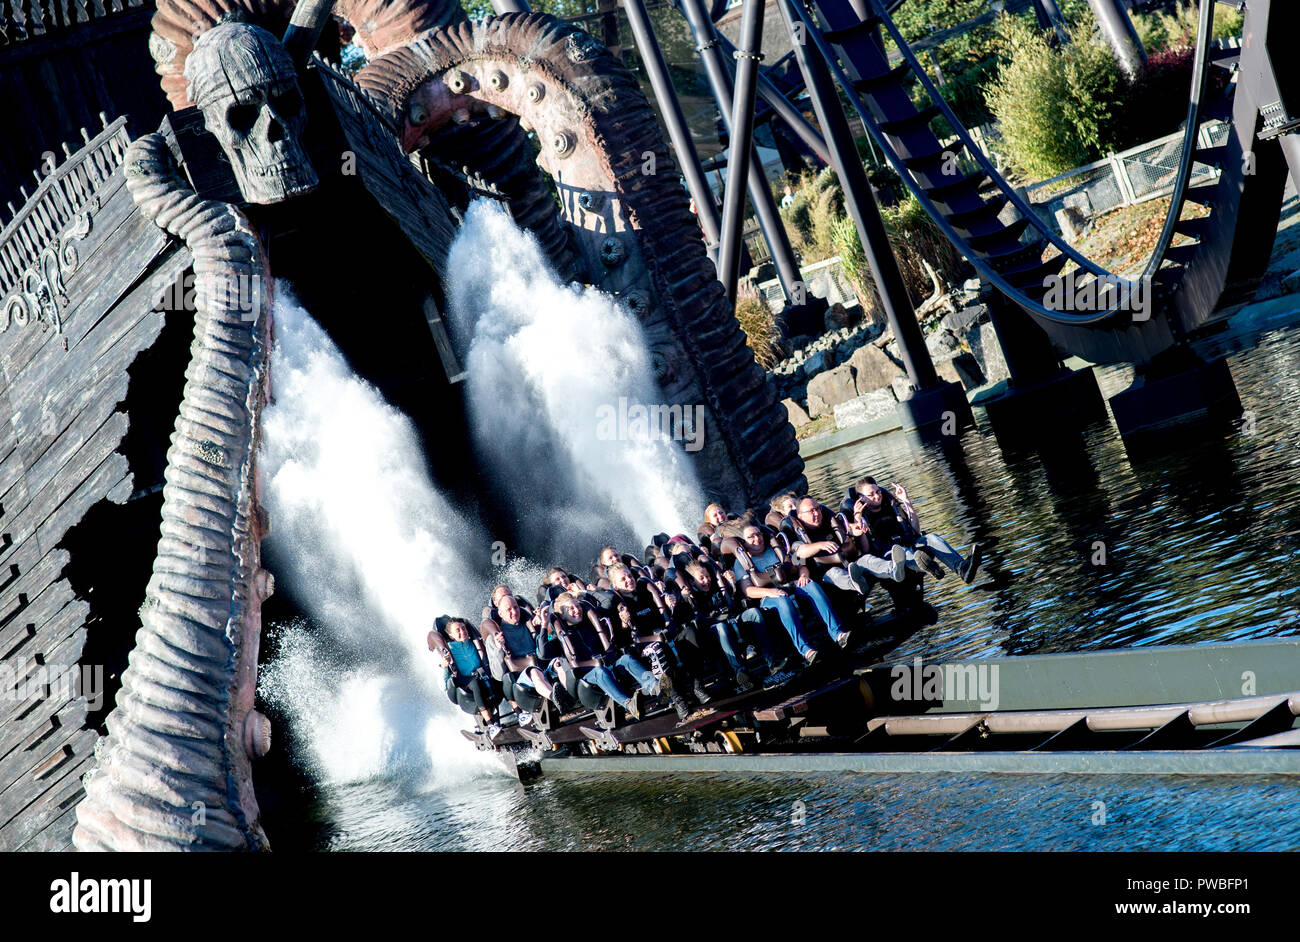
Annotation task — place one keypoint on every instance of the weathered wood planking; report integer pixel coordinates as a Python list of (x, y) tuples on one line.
[(61, 428), (405, 194)]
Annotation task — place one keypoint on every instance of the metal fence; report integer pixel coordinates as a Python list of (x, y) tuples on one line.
[(1142, 173), (824, 279)]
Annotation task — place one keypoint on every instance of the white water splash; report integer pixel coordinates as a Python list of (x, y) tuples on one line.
[(544, 359), (370, 546)]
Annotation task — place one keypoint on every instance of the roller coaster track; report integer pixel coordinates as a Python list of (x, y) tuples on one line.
[(1190, 284)]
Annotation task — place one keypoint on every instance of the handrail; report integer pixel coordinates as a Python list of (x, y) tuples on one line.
[(981, 265), (1186, 162), (982, 158), (1200, 74)]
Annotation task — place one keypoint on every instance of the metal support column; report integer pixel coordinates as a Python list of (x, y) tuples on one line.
[(1118, 29), (670, 108), (759, 192), (742, 143), (787, 112), (861, 204)]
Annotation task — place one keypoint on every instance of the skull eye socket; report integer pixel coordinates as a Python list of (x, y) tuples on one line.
[(287, 103), (241, 118)]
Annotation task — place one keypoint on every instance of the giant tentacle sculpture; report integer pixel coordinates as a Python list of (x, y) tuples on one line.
[(174, 771), (622, 197)]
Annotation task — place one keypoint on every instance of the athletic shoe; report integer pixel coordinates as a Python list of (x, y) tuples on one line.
[(655, 689), (971, 567), (701, 694), (810, 657), (867, 611), (679, 706), (525, 718), (926, 560), (632, 709), (898, 556), (782, 666), (842, 639), (861, 578), (492, 730)]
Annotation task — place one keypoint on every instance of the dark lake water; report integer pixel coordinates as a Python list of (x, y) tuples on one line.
[(1200, 543)]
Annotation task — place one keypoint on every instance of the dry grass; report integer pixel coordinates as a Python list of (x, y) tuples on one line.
[(759, 324)]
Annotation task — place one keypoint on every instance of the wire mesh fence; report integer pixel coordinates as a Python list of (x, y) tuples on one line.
[(1142, 173)]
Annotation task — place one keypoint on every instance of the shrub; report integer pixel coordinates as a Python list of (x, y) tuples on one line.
[(1177, 29), (1056, 107), (759, 324)]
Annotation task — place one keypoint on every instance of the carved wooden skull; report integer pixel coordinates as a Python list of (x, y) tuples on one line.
[(245, 84)]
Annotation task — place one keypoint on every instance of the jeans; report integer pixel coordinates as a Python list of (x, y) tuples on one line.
[(730, 638), (603, 679), (646, 680), (939, 548), (787, 609)]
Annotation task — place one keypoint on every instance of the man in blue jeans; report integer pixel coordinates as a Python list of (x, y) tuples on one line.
[(763, 581)]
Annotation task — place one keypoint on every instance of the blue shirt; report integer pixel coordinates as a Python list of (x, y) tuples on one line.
[(466, 656), (519, 640), (764, 560)]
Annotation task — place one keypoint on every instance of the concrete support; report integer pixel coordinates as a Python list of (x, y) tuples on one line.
[(1161, 397)]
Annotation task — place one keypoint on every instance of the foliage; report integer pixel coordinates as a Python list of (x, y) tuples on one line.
[(477, 9), (966, 61), (1176, 29), (1057, 108), (759, 324)]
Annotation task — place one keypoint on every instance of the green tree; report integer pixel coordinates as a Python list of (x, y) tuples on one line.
[(1057, 108), (562, 8)]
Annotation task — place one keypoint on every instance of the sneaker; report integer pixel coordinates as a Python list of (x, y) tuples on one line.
[(493, 729), (655, 689), (751, 653), (861, 578), (681, 708), (525, 718), (744, 681), (842, 639), (898, 556), (701, 694), (868, 613), (782, 666), (632, 709), (925, 559), (810, 657), (971, 567)]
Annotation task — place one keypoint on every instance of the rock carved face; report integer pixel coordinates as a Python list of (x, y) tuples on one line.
[(245, 84)]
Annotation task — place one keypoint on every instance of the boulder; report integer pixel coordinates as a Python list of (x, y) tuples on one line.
[(864, 409), (947, 371), (872, 369), (838, 317), (902, 387), (968, 371), (941, 344), (798, 417), (828, 389), (983, 340), (815, 363)]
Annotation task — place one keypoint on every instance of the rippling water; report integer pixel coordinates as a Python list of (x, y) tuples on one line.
[(1200, 544)]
